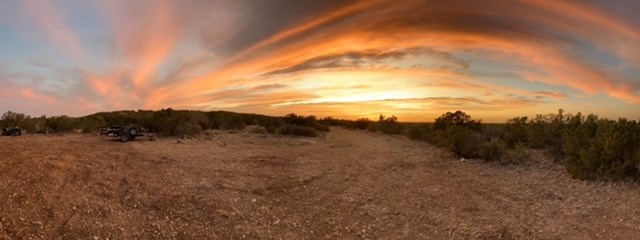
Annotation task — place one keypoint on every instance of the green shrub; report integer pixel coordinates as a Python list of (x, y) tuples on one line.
[(462, 141), (373, 127), (270, 124), (227, 121), (546, 131), (515, 131), (457, 118), (389, 125), (603, 149), (295, 130), (13, 119), (62, 124), (294, 125), (516, 155), (189, 128), (422, 132), (459, 133), (258, 130), (360, 124), (302, 121), (493, 150), (492, 130), (330, 121)]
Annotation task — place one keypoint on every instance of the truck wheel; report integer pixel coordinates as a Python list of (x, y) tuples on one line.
[(133, 133), (125, 137), (15, 133)]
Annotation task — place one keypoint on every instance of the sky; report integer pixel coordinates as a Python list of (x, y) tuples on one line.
[(415, 59)]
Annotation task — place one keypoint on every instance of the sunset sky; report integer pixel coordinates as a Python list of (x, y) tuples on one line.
[(415, 59)]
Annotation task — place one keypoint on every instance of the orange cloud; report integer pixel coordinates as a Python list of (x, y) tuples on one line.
[(582, 12), (30, 94), (46, 14), (308, 26), (146, 33), (110, 87), (558, 67), (403, 56), (87, 104)]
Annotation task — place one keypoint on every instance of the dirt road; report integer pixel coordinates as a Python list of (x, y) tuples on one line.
[(349, 185)]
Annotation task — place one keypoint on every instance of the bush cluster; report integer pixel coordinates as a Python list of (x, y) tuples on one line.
[(386, 125), (296, 130), (603, 149), (459, 133), (455, 131), (165, 122), (296, 125), (359, 124), (493, 150), (590, 148), (421, 132)]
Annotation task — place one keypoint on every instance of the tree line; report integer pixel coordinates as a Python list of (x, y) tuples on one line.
[(165, 122), (590, 147)]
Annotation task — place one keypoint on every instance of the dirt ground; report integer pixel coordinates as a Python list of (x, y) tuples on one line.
[(349, 185)]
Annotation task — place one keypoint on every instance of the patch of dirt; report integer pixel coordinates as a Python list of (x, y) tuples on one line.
[(249, 185)]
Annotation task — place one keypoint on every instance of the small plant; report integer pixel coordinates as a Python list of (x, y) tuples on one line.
[(258, 130), (516, 155), (295, 130), (493, 150), (422, 132), (462, 141), (294, 125), (546, 131), (360, 124), (515, 131), (188, 129), (389, 125), (302, 121), (459, 133), (457, 118)]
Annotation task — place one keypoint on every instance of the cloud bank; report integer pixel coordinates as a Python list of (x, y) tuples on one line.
[(413, 58)]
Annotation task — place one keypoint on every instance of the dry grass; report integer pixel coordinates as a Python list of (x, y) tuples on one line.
[(349, 185)]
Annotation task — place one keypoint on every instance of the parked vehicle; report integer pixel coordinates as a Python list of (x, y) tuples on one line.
[(125, 133), (11, 131)]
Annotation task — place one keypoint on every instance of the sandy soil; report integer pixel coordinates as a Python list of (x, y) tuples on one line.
[(349, 185)]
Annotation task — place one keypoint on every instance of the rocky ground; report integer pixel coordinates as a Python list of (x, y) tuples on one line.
[(243, 185)]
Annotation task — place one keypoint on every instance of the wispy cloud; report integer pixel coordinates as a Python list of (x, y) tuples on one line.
[(367, 59), (53, 24), (146, 33)]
